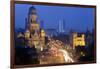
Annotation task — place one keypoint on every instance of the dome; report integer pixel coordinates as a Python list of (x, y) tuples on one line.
[(32, 10)]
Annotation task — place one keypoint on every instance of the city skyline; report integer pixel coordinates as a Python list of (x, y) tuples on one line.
[(44, 34), (80, 19)]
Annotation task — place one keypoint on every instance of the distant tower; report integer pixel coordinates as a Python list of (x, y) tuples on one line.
[(64, 25), (61, 26)]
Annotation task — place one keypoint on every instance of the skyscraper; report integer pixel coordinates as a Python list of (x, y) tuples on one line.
[(61, 26)]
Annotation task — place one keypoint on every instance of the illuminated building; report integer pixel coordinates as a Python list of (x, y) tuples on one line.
[(78, 40), (42, 41), (61, 26), (33, 35), (27, 34)]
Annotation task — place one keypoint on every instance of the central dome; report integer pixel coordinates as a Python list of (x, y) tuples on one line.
[(32, 10)]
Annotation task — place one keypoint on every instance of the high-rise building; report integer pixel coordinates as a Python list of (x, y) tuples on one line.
[(61, 26)]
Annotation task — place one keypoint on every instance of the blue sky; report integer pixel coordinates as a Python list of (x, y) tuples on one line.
[(76, 18)]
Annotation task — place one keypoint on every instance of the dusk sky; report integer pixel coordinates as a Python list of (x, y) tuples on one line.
[(76, 18)]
